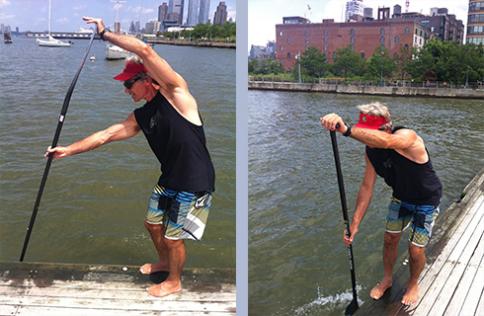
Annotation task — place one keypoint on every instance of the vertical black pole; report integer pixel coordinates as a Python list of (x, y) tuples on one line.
[(350, 309), (60, 122)]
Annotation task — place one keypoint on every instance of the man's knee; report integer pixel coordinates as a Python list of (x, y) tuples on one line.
[(416, 252), (153, 228), (172, 244), (391, 239)]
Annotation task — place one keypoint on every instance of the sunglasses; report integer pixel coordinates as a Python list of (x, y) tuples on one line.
[(128, 84)]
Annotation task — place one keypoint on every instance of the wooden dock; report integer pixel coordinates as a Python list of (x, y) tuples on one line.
[(452, 282), (79, 290)]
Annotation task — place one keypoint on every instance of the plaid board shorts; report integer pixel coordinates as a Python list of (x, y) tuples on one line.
[(184, 214), (420, 218)]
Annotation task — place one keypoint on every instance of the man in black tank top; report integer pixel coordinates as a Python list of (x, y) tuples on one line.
[(179, 204), (399, 156)]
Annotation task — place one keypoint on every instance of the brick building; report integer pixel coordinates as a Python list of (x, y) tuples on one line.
[(363, 37)]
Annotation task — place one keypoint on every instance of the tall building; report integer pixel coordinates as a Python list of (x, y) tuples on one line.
[(443, 25), (175, 11), (117, 27), (220, 16), (204, 10), (353, 7), (368, 13), (162, 12), (475, 22), (193, 11)]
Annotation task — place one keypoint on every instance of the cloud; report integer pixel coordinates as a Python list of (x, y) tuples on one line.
[(62, 20), (5, 17), (140, 10), (4, 3), (79, 7)]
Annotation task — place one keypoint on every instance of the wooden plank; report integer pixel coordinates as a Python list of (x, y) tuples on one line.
[(453, 270), (475, 293), (59, 311), (436, 275), (227, 292), (450, 226), (96, 303), (460, 294), (8, 310)]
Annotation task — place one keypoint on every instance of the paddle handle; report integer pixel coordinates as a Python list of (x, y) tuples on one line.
[(341, 186), (60, 123)]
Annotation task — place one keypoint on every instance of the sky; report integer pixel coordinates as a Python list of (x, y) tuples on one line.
[(265, 14), (32, 15)]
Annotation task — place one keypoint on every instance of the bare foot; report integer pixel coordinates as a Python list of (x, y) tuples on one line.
[(164, 289), (379, 289), (411, 295), (149, 268)]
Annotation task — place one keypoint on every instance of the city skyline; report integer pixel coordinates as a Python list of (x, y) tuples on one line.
[(263, 15), (31, 15)]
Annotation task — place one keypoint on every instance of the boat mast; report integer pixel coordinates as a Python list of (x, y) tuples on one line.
[(50, 5)]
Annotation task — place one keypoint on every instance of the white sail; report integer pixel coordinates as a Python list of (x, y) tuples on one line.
[(50, 41)]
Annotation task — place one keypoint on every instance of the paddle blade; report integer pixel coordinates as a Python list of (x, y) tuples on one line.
[(352, 308)]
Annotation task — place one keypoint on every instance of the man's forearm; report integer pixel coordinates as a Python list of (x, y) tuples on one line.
[(375, 139), (89, 143), (362, 202)]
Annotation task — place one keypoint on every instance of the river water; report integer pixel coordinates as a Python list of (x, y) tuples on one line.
[(297, 262), (94, 204)]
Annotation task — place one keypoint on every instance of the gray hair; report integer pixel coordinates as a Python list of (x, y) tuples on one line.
[(377, 108)]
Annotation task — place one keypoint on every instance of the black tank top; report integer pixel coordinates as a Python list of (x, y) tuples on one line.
[(179, 145), (411, 182)]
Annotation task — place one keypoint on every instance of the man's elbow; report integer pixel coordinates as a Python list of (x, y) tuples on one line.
[(145, 51)]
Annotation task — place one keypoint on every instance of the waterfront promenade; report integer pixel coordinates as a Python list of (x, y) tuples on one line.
[(452, 281), (440, 92), (79, 290)]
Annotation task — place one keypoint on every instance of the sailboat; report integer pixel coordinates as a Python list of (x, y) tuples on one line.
[(7, 38), (114, 52), (50, 41)]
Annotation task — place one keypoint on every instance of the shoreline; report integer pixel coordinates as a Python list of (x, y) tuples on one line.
[(158, 41), (368, 90)]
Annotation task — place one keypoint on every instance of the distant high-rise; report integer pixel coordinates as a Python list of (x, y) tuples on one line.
[(2, 28), (193, 11), (475, 22), (353, 7), (368, 13), (397, 11), (162, 12), (175, 11), (204, 10), (117, 27), (220, 16)]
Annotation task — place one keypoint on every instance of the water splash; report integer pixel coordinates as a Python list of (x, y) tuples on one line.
[(328, 303)]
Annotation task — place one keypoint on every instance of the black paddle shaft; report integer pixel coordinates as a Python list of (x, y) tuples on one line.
[(60, 122), (354, 304)]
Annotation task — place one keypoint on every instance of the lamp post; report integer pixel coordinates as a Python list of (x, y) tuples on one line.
[(467, 77), (298, 56), (381, 67)]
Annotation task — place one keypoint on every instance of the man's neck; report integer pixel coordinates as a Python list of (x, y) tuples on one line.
[(150, 95)]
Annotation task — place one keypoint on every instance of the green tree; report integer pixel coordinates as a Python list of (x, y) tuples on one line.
[(380, 65), (313, 62), (449, 62), (348, 63), (265, 66)]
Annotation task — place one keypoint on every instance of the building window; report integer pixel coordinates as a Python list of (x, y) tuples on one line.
[(288, 55), (397, 39), (362, 54), (280, 33), (407, 30)]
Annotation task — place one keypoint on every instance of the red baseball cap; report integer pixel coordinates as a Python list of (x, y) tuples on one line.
[(370, 121), (130, 70)]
